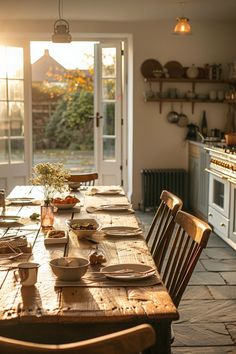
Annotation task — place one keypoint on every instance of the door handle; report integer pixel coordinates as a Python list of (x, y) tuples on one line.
[(98, 117)]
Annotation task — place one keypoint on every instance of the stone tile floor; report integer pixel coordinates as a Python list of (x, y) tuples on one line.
[(207, 323)]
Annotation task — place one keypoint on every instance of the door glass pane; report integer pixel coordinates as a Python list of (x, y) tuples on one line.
[(218, 193), (108, 148), (3, 151), (3, 91), (3, 66), (108, 62), (17, 150), (108, 89), (3, 110), (11, 110), (15, 63), (4, 128), (15, 90), (109, 118)]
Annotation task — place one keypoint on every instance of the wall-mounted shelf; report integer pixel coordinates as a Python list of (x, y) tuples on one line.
[(193, 83)]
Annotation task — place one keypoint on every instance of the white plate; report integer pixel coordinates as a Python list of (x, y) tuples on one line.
[(115, 207), (22, 201), (129, 276), (111, 191), (8, 221), (121, 231)]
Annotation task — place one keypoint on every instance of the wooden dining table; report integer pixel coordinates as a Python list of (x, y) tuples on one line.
[(58, 311)]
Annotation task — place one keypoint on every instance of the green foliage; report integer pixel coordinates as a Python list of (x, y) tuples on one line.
[(70, 125)]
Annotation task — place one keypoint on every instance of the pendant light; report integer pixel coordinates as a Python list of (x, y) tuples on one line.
[(61, 32), (183, 26)]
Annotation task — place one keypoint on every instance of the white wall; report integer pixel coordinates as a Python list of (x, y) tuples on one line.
[(157, 143)]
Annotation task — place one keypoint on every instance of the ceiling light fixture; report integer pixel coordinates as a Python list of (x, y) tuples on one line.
[(183, 25), (61, 32)]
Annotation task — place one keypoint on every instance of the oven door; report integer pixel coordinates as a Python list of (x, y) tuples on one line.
[(219, 192)]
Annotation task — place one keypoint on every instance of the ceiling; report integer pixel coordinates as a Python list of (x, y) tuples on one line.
[(119, 10)]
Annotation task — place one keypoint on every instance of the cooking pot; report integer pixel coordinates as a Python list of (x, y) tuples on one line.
[(173, 116), (183, 119), (230, 138)]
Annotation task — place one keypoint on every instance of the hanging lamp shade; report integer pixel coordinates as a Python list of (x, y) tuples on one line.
[(182, 26), (61, 33)]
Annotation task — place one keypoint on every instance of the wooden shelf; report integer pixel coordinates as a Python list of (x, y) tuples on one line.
[(193, 83)]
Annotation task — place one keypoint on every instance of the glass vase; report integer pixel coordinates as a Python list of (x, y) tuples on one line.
[(47, 216)]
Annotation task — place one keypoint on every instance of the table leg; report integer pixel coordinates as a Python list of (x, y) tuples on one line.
[(163, 338)]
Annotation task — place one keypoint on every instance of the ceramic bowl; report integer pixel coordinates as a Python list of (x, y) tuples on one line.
[(83, 227), (74, 185), (69, 268)]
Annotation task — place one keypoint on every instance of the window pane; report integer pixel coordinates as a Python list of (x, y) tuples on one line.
[(108, 89), (3, 66), (3, 111), (4, 128), (15, 90), (3, 151), (3, 91), (17, 150), (108, 149), (109, 118), (16, 112), (14, 63), (108, 61)]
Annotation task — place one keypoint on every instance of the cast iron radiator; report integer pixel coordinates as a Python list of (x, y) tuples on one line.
[(155, 180)]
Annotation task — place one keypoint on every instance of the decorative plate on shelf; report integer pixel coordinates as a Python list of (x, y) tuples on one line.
[(175, 69), (149, 67)]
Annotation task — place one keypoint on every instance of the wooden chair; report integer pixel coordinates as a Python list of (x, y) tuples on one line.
[(163, 218), (87, 179), (128, 341), (187, 240)]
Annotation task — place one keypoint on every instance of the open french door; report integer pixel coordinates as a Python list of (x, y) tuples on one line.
[(108, 112), (15, 149)]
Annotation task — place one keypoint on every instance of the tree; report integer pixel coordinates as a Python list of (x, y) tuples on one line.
[(70, 125)]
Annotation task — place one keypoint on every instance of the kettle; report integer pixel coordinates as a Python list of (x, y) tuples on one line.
[(192, 132)]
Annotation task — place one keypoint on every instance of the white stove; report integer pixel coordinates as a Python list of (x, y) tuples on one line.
[(222, 192)]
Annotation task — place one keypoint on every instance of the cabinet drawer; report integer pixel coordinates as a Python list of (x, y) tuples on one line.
[(219, 222)]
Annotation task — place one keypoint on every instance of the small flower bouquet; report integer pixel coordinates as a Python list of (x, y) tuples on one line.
[(52, 176)]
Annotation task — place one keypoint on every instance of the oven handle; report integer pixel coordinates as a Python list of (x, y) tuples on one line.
[(216, 174)]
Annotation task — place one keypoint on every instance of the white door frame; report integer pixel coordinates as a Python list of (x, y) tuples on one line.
[(127, 153)]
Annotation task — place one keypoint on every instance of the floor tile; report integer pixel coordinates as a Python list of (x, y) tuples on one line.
[(206, 334), (223, 291), (207, 311), (197, 292), (216, 241), (213, 265), (230, 277), (220, 253), (206, 278), (231, 327)]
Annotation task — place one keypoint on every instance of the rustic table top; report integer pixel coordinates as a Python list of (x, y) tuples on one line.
[(91, 302)]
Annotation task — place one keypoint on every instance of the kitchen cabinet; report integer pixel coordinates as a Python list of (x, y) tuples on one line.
[(198, 179), (232, 229), (158, 96)]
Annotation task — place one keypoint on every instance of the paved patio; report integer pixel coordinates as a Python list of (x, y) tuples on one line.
[(207, 322)]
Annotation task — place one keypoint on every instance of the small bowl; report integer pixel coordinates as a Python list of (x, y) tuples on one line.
[(69, 268), (74, 185), (83, 227), (64, 206)]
